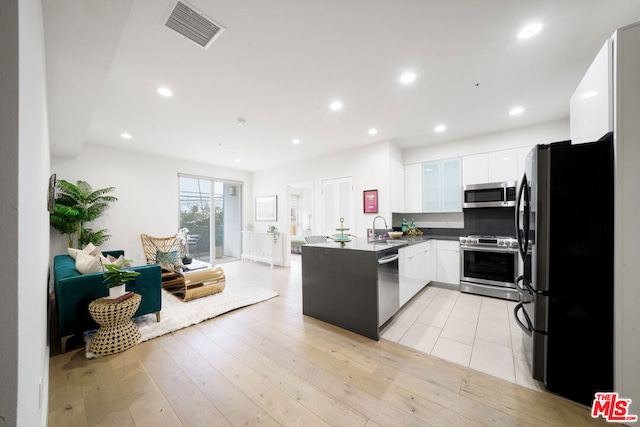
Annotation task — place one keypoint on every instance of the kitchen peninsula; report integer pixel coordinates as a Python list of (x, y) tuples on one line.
[(340, 284), (359, 286)]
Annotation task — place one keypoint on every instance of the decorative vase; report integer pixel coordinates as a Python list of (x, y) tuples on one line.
[(116, 291)]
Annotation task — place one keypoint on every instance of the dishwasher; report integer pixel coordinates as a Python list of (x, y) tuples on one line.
[(388, 285)]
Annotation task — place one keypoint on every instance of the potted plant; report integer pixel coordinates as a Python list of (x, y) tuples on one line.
[(115, 277), (275, 233), (75, 206)]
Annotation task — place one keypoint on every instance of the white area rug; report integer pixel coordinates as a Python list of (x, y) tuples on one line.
[(176, 314)]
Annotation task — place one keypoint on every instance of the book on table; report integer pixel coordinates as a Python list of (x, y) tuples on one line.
[(121, 298)]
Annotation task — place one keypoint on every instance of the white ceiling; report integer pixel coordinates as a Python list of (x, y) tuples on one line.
[(280, 63)]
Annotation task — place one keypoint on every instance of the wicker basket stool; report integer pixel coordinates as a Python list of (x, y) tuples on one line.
[(117, 332)]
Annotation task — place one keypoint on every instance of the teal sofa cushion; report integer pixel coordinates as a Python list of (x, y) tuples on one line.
[(74, 292)]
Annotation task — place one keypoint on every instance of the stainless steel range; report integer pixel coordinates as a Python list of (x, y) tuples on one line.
[(489, 266)]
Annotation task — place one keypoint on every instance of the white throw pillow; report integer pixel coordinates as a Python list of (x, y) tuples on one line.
[(86, 263), (110, 259), (90, 249)]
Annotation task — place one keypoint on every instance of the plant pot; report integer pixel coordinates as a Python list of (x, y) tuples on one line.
[(116, 291), (187, 260)]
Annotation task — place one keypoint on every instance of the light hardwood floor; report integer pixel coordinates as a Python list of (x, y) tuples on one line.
[(267, 364)]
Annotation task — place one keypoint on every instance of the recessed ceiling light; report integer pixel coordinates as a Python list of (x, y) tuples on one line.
[(295, 141), (165, 91), (530, 30), (516, 111), (407, 77), (440, 128), (236, 160), (335, 106), (126, 136), (589, 94), (241, 122), (372, 131)]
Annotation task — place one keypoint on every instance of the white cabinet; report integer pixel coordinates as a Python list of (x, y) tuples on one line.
[(413, 188), (503, 165), (590, 106), (494, 166), (475, 169), (442, 186), (415, 269), (447, 261), (261, 247)]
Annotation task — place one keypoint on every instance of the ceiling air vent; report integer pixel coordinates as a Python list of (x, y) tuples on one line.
[(193, 24)]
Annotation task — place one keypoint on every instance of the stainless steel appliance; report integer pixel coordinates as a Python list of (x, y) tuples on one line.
[(489, 266), (388, 285), (564, 222), (490, 195)]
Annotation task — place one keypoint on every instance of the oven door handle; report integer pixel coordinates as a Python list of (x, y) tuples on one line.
[(496, 249), (528, 329)]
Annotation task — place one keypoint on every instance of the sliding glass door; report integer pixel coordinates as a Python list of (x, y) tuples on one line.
[(212, 211)]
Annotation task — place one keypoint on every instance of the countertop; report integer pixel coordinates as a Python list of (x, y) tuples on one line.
[(362, 244)]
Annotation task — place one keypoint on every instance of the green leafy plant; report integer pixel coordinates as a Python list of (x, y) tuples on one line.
[(275, 234), (116, 276), (76, 205)]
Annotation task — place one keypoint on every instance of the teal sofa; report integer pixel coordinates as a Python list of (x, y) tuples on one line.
[(74, 292)]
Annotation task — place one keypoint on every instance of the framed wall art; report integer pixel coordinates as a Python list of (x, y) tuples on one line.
[(267, 208), (370, 201)]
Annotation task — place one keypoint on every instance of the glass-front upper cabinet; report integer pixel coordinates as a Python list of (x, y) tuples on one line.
[(431, 183), (442, 186)]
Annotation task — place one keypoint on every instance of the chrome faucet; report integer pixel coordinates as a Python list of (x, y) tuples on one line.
[(374, 225)]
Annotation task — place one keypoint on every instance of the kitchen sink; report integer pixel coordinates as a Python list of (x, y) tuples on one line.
[(396, 242)]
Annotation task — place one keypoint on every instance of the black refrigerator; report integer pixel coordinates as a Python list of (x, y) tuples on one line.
[(564, 226)]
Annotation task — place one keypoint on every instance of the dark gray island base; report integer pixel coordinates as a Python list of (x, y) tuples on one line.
[(340, 285)]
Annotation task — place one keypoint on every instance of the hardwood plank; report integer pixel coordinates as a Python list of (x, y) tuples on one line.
[(361, 400), (275, 402), (148, 405), (189, 404), (236, 407), (104, 401), (539, 408), (462, 405), (330, 410)]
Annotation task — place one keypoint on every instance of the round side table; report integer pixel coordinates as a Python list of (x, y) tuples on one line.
[(117, 332)]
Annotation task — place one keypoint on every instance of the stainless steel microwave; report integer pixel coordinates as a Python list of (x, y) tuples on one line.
[(490, 195)]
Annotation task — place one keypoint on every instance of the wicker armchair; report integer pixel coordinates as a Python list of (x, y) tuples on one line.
[(188, 285), (151, 245)]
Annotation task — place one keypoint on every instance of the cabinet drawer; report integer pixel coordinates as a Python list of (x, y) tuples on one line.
[(450, 245)]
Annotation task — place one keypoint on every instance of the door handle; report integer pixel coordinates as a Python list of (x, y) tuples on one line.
[(527, 329), (388, 259)]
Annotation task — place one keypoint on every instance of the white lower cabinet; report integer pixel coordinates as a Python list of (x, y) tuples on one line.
[(261, 247), (415, 269), (447, 261)]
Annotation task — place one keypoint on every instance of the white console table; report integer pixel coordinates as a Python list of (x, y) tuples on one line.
[(260, 247)]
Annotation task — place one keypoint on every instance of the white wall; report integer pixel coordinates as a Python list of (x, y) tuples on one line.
[(528, 136), (24, 173), (369, 167), (147, 192)]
